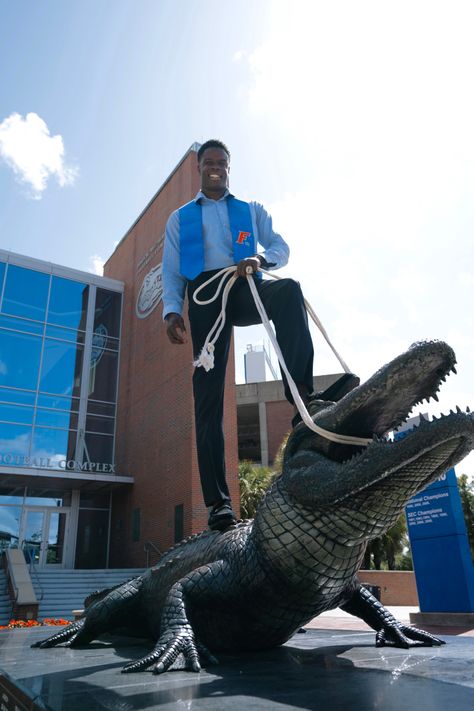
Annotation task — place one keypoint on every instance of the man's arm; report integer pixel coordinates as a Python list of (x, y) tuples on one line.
[(174, 284), (276, 252)]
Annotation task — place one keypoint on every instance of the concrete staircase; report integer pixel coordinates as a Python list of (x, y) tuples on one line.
[(59, 592), (5, 603)]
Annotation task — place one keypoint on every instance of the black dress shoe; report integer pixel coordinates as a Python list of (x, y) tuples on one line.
[(221, 517), (339, 388), (336, 391)]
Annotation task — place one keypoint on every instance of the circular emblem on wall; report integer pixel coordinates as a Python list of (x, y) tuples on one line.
[(150, 293), (99, 341)]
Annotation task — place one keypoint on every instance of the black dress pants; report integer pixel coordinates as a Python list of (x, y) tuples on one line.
[(284, 304)]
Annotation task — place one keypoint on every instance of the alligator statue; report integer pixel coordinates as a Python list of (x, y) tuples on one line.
[(254, 585)]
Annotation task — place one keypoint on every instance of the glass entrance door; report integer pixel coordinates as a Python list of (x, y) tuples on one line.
[(43, 535)]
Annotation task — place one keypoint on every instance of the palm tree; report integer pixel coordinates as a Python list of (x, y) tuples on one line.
[(390, 548), (254, 481)]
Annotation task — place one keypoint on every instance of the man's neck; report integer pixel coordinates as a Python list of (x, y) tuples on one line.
[(214, 194)]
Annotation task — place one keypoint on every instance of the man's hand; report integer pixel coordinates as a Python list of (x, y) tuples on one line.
[(252, 262), (175, 328)]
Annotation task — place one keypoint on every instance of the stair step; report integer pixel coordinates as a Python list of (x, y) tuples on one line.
[(5, 603), (65, 590)]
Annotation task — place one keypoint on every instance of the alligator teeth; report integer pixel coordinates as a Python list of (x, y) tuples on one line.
[(453, 370), (435, 397)]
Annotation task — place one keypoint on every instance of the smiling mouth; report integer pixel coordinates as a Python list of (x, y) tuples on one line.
[(213, 176)]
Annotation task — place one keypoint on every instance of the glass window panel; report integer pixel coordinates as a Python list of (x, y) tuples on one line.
[(68, 303), (92, 538), (9, 526), (57, 418), (26, 293), (51, 447), (21, 324), (16, 413), (65, 334), (91, 500), (100, 424), (57, 402), (19, 360), (33, 535), (55, 538), (14, 444), (2, 274), (12, 494), (101, 408), (62, 366), (99, 447), (18, 397), (48, 497), (108, 311), (103, 377), (99, 344)]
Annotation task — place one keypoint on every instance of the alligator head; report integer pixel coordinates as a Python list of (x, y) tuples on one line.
[(372, 484)]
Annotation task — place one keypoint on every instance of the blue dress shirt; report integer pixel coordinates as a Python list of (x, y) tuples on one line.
[(218, 251)]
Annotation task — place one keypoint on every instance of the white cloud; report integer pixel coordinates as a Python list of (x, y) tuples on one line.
[(27, 146), (97, 264)]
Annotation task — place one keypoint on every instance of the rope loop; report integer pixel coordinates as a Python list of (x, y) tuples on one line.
[(206, 357)]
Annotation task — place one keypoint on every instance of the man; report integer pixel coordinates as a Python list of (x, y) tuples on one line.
[(213, 231)]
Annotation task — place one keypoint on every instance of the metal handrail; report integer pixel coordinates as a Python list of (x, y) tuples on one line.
[(147, 546), (33, 571)]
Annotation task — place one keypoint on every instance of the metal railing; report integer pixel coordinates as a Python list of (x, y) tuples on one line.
[(29, 551), (148, 547)]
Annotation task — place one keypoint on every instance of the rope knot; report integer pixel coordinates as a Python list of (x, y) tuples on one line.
[(206, 358)]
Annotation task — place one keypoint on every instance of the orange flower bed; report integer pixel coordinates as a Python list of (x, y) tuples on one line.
[(19, 624)]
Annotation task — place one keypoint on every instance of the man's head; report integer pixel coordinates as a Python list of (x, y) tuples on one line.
[(214, 166)]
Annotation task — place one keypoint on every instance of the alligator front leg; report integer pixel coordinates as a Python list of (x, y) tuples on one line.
[(389, 630), (104, 615), (177, 636)]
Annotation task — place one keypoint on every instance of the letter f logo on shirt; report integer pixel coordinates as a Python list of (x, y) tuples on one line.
[(242, 237)]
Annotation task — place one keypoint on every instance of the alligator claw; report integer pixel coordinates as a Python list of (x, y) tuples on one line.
[(66, 635), (174, 645), (405, 636)]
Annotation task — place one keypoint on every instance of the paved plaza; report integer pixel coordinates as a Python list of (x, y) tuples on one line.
[(334, 665)]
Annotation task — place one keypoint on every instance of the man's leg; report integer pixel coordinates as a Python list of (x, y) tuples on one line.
[(208, 388), (284, 304)]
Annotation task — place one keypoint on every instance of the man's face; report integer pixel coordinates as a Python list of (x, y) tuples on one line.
[(214, 170)]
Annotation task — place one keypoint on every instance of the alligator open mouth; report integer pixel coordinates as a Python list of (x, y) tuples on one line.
[(374, 409), (383, 402)]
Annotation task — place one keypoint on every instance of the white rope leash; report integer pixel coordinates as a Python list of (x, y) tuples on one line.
[(206, 357)]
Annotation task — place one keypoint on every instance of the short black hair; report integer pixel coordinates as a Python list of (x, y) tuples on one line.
[(212, 143)]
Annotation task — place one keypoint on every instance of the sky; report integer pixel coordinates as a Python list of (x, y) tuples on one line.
[(350, 121)]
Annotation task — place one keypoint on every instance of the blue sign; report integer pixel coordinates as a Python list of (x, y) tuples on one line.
[(444, 570), (436, 511)]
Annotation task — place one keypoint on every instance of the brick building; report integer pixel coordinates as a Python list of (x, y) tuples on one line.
[(98, 464), (155, 424)]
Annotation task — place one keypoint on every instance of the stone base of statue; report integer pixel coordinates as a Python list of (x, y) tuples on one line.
[(318, 670)]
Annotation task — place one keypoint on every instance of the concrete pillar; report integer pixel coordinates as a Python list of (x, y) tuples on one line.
[(262, 418)]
